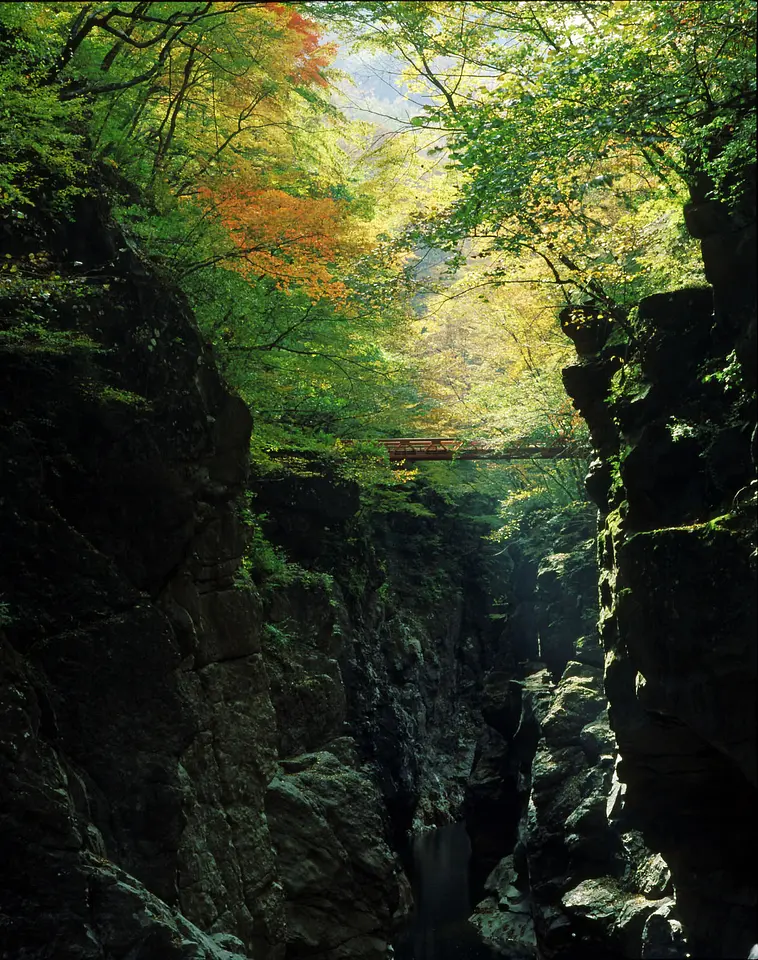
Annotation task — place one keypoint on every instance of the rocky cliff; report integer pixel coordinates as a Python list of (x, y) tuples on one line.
[(375, 653), (620, 767), (138, 733), (196, 765), (670, 401), (564, 875), (412, 592)]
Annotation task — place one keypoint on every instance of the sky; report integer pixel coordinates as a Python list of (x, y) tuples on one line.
[(377, 92)]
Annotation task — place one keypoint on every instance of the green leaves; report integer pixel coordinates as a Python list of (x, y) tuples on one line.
[(39, 133), (588, 112)]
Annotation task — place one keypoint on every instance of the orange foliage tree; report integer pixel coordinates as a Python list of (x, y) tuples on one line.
[(309, 55), (296, 240), (217, 110)]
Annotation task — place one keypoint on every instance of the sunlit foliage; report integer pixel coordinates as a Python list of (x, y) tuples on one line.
[(359, 282)]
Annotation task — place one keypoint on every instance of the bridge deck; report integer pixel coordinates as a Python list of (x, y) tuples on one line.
[(443, 448)]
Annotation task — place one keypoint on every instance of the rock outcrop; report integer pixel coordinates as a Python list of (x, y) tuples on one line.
[(670, 402), (578, 880), (412, 590)]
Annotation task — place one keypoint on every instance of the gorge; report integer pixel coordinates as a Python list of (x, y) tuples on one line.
[(260, 707)]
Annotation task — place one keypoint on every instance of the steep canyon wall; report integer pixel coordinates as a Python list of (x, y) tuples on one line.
[(670, 402), (193, 767), (620, 767)]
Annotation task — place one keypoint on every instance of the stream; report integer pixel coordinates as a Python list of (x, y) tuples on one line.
[(438, 929)]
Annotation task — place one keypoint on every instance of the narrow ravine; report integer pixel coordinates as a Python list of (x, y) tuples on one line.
[(378, 488)]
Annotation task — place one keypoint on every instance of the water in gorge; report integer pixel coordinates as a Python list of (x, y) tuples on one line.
[(439, 929)]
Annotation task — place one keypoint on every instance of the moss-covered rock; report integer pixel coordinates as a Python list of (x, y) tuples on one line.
[(675, 480)]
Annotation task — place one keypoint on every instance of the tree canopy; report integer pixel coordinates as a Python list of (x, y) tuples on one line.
[(360, 280)]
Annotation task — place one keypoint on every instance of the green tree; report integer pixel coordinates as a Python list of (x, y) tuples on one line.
[(565, 117)]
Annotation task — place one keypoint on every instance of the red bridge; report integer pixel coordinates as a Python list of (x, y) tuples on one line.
[(426, 448)]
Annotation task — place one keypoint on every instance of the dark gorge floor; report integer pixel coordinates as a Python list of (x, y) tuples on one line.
[(439, 929)]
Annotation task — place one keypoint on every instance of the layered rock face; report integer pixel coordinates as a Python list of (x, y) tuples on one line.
[(670, 401), (566, 875), (580, 883), (552, 605)]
